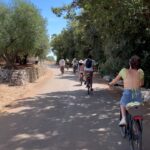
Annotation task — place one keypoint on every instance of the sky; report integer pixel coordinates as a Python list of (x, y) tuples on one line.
[(54, 24)]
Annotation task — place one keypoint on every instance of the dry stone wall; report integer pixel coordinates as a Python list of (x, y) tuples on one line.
[(21, 76)]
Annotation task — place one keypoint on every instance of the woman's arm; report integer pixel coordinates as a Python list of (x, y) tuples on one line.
[(141, 77), (117, 78), (142, 82)]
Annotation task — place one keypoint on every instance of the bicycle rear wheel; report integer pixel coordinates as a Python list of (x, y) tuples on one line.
[(135, 140), (88, 87), (81, 81), (62, 70), (81, 78)]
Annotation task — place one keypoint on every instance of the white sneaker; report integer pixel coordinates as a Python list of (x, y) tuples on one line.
[(123, 122)]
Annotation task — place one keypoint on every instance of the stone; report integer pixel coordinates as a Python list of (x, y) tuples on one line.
[(107, 78), (146, 95)]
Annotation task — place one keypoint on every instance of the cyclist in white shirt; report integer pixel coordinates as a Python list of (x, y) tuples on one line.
[(62, 65), (89, 68)]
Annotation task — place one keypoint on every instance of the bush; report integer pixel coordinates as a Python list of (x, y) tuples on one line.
[(109, 68)]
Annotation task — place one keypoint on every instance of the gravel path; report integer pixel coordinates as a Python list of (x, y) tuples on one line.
[(63, 117)]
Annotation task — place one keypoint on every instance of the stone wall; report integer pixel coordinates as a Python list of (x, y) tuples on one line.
[(21, 76)]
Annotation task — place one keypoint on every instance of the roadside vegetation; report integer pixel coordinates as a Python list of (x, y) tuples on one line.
[(111, 31), (23, 33)]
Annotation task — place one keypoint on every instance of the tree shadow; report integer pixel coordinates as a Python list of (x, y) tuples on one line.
[(68, 120)]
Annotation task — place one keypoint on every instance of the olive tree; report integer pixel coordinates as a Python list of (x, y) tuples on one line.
[(23, 32)]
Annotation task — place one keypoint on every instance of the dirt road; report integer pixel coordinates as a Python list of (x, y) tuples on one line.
[(63, 117)]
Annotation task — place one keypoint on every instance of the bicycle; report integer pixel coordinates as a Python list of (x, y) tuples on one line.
[(81, 78), (133, 129), (75, 68), (88, 82), (62, 70)]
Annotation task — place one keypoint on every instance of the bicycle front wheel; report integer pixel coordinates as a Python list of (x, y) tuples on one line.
[(135, 139)]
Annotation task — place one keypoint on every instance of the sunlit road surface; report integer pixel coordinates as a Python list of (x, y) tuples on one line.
[(63, 117)]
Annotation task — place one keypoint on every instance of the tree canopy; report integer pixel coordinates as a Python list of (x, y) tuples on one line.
[(23, 32), (111, 30)]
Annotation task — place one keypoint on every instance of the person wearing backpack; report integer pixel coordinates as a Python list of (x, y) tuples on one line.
[(89, 68)]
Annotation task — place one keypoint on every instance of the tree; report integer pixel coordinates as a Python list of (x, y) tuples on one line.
[(23, 32), (113, 29)]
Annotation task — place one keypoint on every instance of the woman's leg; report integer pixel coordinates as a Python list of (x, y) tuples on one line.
[(123, 111)]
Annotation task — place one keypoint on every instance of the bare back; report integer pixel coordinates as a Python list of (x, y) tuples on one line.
[(132, 79)]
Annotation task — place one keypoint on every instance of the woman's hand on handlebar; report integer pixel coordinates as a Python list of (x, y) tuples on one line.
[(110, 84)]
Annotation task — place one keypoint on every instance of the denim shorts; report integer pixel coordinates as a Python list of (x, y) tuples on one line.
[(130, 96)]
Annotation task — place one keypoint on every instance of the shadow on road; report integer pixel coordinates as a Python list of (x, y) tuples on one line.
[(63, 121)]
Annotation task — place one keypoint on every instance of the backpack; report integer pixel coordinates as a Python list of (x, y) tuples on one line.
[(88, 63)]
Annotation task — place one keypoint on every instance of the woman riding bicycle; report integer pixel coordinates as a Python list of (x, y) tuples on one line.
[(133, 79), (89, 64)]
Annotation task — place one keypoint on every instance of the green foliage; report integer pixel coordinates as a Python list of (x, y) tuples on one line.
[(23, 32), (114, 30)]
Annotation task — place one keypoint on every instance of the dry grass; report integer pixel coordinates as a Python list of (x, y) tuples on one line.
[(9, 94)]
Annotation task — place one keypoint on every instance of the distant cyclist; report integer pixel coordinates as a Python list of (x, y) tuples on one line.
[(67, 64), (133, 79), (89, 68), (62, 65), (75, 65)]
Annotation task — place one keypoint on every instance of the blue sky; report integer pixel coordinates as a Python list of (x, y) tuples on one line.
[(54, 24)]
